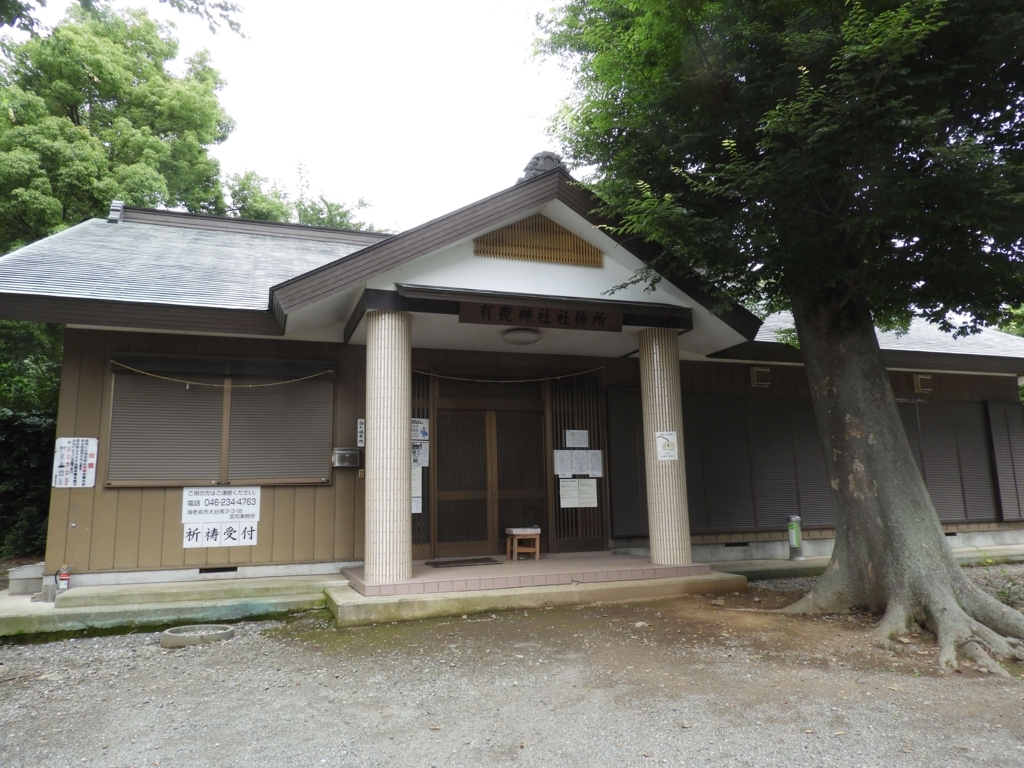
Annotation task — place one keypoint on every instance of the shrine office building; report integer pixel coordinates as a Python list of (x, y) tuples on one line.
[(270, 399)]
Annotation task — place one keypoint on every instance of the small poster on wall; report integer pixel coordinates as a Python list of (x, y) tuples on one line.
[(74, 462), (577, 438), (569, 493), (588, 492), (421, 429), (421, 453), (668, 446)]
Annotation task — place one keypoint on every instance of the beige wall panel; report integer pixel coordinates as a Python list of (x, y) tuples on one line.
[(218, 556), (87, 424), (343, 520), (151, 527), (195, 557), (129, 522), (305, 501), (172, 553), (60, 498), (239, 555), (264, 549), (104, 514), (284, 524), (323, 520)]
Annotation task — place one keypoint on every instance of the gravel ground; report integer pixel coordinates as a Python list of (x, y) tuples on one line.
[(683, 682)]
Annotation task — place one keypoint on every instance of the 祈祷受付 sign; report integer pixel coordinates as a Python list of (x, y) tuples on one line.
[(497, 313)]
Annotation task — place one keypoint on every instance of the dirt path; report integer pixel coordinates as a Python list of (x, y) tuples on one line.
[(677, 682)]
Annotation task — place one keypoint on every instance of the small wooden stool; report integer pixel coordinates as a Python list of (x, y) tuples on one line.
[(517, 537)]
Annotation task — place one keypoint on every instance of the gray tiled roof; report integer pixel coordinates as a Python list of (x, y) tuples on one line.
[(163, 264), (922, 337)]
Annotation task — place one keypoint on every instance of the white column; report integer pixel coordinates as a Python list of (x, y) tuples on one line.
[(667, 512), (388, 446)]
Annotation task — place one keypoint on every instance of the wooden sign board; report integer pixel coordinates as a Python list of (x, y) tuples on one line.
[(539, 317)]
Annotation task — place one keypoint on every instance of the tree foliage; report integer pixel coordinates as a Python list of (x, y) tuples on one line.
[(20, 13), (859, 162), (91, 113), (26, 459), (254, 197), (844, 151)]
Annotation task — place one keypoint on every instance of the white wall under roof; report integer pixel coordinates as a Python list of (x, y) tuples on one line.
[(457, 267)]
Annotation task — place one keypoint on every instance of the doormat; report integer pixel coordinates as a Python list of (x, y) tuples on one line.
[(462, 561)]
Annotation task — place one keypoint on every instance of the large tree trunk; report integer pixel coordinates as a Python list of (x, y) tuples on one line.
[(890, 555)]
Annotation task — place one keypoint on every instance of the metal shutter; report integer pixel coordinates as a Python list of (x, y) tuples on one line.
[(1007, 434), (1015, 431), (771, 453), (280, 432), (975, 461), (816, 508), (727, 461), (908, 415), (627, 473), (161, 430), (941, 464), (695, 496)]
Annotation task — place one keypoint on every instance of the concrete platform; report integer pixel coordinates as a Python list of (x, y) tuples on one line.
[(351, 609), (551, 584), (548, 571)]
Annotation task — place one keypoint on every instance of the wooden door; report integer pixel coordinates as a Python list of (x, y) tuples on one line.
[(490, 476)]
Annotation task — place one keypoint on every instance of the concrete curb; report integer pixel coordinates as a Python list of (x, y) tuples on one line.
[(352, 610), (76, 619)]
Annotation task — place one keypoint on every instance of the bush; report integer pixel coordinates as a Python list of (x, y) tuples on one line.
[(26, 462)]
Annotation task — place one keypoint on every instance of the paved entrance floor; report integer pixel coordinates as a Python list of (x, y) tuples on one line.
[(551, 570)]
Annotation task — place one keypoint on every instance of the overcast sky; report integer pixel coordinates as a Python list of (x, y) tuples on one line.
[(417, 107)]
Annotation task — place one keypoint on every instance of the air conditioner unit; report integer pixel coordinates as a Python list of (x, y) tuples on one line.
[(345, 457)]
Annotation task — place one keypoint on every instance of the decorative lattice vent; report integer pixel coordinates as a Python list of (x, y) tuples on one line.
[(538, 238)]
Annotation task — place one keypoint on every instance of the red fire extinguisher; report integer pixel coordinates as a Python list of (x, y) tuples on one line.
[(63, 578)]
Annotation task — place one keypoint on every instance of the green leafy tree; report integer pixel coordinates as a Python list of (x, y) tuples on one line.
[(254, 197), (92, 114), (857, 162), (19, 13)]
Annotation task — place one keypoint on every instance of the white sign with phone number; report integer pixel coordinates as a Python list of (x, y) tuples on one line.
[(220, 517)]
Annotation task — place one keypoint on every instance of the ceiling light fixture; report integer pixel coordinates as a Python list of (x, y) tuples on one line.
[(521, 336)]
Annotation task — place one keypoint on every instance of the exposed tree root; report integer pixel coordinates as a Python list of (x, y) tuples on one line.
[(965, 619)]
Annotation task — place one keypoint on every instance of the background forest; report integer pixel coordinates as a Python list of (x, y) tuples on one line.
[(91, 111)]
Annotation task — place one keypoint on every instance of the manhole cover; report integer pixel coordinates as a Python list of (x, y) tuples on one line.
[(179, 637)]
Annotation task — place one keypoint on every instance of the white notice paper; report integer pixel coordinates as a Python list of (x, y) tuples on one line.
[(74, 462), (580, 462), (421, 453), (563, 463), (569, 493), (417, 481), (220, 505), (417, 505), (360, 433), (577, 438), (588, 493), (668, 446), (595, 466), (421, 429), (220, 535)]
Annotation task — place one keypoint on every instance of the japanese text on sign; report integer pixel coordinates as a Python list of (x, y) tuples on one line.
[(74, 462), (540, 317), (220, 505), (220, 535)]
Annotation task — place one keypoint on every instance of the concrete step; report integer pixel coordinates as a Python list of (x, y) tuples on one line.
[(159, 614), (351, 609), (197, 591), (815, 566)]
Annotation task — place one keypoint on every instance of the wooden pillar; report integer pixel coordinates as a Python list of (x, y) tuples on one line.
[(667, 512), (388, 554)]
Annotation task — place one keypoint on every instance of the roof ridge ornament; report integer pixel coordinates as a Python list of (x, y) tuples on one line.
[(540, 163), (116, 212)]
